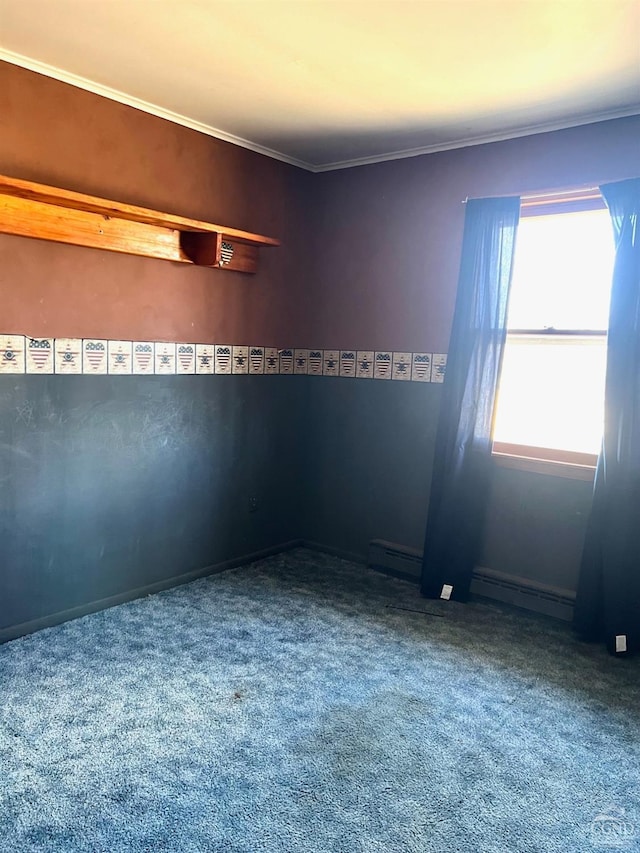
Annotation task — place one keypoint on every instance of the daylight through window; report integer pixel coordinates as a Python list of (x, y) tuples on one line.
[(550, 401)]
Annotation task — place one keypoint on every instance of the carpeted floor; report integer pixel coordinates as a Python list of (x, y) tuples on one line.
[(292, 706)]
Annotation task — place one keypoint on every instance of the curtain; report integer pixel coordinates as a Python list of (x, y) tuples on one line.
[(608, 599), (462, 460)]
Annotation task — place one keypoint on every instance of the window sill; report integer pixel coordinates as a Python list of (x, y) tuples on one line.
[(549, 467)]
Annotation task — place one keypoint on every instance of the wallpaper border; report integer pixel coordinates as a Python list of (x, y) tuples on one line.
[(21, 354)]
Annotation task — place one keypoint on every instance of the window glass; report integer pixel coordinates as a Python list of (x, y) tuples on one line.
[(551, 391), (562, 271)]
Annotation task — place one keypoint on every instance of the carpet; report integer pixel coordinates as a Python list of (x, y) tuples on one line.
[(300, 704)]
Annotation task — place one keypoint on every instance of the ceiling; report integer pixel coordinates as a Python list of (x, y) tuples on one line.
[(332, 83)]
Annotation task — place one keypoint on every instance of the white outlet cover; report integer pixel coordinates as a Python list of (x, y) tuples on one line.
[(621, 643)]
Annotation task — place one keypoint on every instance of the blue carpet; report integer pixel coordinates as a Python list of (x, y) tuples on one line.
[(289, 706)]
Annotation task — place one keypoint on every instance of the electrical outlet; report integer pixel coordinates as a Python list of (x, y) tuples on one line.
[(253, 503), (621, 642)]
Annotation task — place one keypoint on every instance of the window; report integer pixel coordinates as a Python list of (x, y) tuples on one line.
[(550, 402)]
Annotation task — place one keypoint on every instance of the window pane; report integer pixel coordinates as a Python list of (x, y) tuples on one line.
[(562, 271), (552, 393)]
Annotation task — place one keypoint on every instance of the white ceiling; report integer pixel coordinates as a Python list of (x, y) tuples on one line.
[(330, 83)]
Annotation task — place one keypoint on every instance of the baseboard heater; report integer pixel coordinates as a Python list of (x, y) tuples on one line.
[(403, 562)]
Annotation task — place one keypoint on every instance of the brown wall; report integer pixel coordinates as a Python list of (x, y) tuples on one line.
[(388, 236), (56, 134)]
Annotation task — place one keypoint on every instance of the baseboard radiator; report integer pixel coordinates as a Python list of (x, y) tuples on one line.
[(403, 562)]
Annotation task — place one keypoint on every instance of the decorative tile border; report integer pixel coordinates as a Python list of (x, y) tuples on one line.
[(364, 364), (438, 367), (402, 366), (382, 365), (143, 357), (271, 360), (68, 355), (12, 357), (20, 354), (95, 356), (205, 358), (256, 360), (185, 358), (240, 360), (347, 363), (316, 359), (120, 357), (301, 361), (165, 358), (331, 363), (223, 359), (421, 367), (287, 359), (39, 355)]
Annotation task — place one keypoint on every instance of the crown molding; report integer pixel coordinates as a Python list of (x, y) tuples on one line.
[(146, 107), (153, 109), (516, 133)]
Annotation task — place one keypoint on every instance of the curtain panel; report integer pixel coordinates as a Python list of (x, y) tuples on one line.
[(462, 462), (608, 600)]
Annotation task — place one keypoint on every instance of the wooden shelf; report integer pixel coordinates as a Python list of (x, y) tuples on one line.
[(28, 209)]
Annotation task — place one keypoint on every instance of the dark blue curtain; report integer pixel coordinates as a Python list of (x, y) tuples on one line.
[(608, 600), (462, 461)]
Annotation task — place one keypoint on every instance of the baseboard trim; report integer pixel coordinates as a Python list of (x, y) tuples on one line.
[(406, 563), (525, 593), (13, 632), (334, 552)]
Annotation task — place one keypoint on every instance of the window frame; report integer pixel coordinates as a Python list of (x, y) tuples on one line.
[(543, 460)]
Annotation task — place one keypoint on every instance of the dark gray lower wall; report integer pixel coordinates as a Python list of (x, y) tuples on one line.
[(370, 449), (111, 484), (535, 526)]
